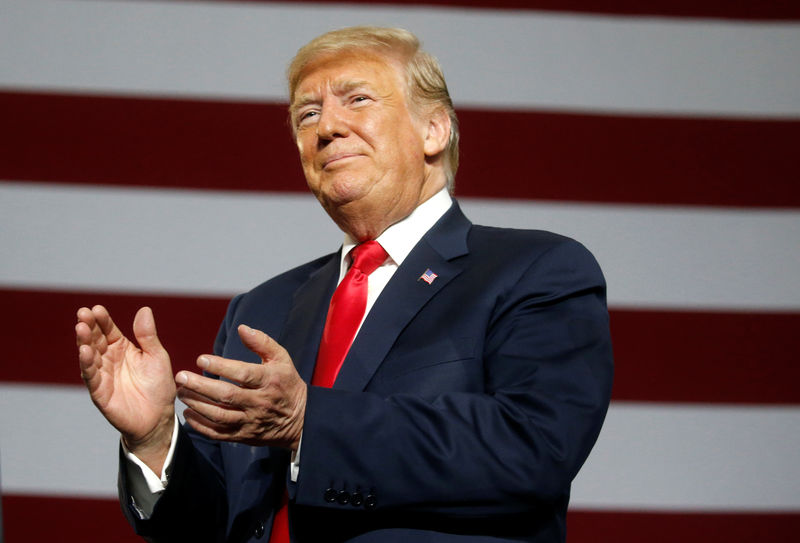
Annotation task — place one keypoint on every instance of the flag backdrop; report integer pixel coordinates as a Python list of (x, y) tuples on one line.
[(145, 159)]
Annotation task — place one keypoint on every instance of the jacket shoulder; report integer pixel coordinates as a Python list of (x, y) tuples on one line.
[(534, 253), (511, 241)]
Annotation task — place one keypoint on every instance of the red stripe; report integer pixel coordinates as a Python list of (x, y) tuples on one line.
[(147, 142), (686, 527), (62, 519), (641, 160), (668, 356), (528, 155), (741, 9), (187, 327), (682, 356), (50, 518)]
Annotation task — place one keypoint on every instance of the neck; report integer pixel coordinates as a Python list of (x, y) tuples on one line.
[(363, 223)]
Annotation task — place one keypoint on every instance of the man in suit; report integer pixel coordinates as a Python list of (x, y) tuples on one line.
[(450, 391)]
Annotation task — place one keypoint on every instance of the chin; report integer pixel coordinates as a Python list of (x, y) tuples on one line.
[(344, 190)]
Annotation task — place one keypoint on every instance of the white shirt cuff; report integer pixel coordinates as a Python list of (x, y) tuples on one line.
[(144, 486), (294, 467)]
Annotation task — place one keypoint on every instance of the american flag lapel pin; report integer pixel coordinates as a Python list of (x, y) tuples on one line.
[(428, 276)]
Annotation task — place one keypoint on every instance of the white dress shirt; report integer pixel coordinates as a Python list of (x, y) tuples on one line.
[(398, 240)]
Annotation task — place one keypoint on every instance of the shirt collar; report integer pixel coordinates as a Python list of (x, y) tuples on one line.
[(400, 238)]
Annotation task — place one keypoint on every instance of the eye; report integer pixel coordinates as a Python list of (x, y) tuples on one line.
[(305, 117), (359, 99)]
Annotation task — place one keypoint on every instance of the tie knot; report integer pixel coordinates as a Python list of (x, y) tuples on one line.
[(368, 256)]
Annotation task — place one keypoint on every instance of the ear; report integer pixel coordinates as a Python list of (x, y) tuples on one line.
[(438, 132)]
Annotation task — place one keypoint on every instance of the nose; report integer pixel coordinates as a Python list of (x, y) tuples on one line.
[(332, 121)]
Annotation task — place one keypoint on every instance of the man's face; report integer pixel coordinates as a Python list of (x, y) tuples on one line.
[(361, 147)]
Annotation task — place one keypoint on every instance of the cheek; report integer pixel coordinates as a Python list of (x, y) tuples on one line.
[(301, 149), (408, 148), (307, 164), (394, 140), (306, 145)]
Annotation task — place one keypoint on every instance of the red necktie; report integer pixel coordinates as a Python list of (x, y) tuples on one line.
[(345, 313)]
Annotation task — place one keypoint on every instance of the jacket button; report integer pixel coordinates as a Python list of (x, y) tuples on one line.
[(330, 495), (370, 501), (259, 531), (356, 499), (343, 497)]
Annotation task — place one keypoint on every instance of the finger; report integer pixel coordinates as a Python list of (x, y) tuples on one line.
[(144, 330), (106, 324), (244, 373), (89, 362), (213, 390), (86, 316), (91, 342), (209, 428), (224, 415), (261, 344), (89, 358), (86, 358), (88, 332), (83, 333)]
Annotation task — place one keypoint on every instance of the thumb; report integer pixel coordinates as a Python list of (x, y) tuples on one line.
[(144, 330), (260, 343)]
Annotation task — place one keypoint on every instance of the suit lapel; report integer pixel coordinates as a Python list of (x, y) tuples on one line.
[(304, 324), (404, 296)]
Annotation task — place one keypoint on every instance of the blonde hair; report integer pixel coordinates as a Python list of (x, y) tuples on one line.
[(424, 78)]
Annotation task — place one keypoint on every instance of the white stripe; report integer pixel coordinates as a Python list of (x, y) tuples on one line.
[(54, 441), (648, 457), (690, 457), (674, 257), (220, 243), (492, 58), (155, 240)]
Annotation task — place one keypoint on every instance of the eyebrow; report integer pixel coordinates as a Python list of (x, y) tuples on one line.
[(343, 87)]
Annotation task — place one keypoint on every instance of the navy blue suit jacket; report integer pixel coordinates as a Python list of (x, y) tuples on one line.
[(462, 412)]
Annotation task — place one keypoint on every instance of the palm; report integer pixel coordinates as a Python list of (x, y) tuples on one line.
[(132, 382), (133, 387)]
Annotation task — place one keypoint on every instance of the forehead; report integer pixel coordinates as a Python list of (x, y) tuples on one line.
[(349, 69)]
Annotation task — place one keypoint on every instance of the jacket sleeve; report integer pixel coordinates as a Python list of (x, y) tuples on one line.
[(193, 507)]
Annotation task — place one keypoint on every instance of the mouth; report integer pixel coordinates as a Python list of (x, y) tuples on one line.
[(338, 157)]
